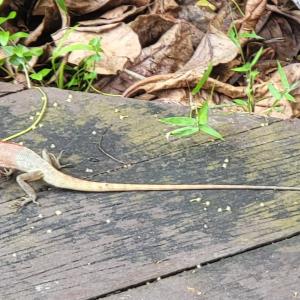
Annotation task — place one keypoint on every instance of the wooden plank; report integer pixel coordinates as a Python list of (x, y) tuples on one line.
[(105, 242), (75, 122), (7, 88), (270, 272)]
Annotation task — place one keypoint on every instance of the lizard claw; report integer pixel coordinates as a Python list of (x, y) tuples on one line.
[(19, 205), (6, 172)]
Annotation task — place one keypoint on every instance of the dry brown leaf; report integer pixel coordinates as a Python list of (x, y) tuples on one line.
[(51, 20), (182, 80), (161, 57), (281, 32), (79, 8), (162, 6), (214, 48), (150, 28), (253, 12), (197, 16), (120, 45), (224, 17), (115, 15), (177, 96)]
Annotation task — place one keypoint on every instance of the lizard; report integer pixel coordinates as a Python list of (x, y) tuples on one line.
[(46, 167)]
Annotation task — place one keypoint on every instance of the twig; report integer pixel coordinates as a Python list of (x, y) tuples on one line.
[(134, 74), (103, 93), (100, 147)]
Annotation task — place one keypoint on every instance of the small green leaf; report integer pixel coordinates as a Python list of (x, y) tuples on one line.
[(274, 92), (18, 35), (179, 121), (96, 57), (184, 131), (283, 77), (96, 44), (4, 38), (251, 35), (20, 50), (206, 3), (289, 97), (9, 50), (69, 48), (90, 76), (203, 114), (62, 5), (254, 74), (240, 102), (257, 57), (91, 60), (36, 51), (210, 131), (16, 60), (41, 74), (233, 35), (10, 16), (243, 69), (73, 82), (203, 79)]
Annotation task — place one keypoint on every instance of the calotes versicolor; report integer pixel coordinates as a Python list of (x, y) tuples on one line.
[(45, 167)]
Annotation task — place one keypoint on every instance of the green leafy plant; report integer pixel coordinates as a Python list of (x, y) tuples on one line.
[(191, 125), (40, 75), (194, 124), (85, 73), (15, 54), (248, 68), (16, 57), (82, 75), (251, 75), (282, 94), (236, 38)]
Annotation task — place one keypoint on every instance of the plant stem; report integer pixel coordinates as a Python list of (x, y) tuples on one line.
[(26, 75), (36, 122)]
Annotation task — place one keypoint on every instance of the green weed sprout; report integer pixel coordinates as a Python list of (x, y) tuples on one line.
[(191, 125)]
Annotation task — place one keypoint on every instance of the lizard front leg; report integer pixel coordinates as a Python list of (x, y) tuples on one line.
[(6, 172), (53, 160), (23, 180)]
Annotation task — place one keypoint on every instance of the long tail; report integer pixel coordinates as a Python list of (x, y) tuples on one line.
[(68, 182)]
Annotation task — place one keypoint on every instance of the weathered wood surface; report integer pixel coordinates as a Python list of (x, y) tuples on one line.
[(105, 242), (270, 273)]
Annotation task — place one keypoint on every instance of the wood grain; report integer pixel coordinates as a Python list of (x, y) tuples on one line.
[(271, 273), (101, 243)]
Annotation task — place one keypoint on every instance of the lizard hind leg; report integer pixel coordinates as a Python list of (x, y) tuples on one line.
[(23, 180), (53, 160)]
